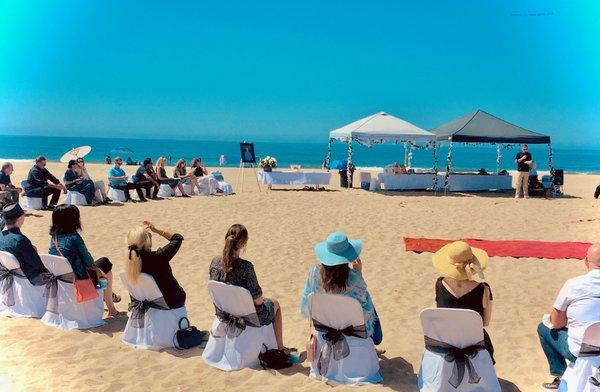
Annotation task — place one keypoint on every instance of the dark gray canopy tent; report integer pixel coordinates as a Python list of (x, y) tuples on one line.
[(482, 127)]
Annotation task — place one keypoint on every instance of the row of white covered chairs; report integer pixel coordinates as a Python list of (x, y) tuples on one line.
[(54, 303), (453, 347), (72, 197), (78, 199)]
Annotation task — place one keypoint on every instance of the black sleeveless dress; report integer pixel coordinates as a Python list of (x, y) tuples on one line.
[(473, 300)]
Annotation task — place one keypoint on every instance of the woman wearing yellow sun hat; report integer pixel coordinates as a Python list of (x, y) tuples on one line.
[(459, 264)]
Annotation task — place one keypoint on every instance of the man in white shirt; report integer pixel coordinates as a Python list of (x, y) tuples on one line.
[(576, 307)]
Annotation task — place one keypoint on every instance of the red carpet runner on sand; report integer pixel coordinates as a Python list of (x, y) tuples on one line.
[(536, 249)]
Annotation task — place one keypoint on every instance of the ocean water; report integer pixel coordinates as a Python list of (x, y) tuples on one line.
[(309, 155)]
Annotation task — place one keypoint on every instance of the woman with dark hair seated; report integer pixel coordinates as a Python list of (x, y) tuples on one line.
[(76, 183), (65, 241), (340, 272)]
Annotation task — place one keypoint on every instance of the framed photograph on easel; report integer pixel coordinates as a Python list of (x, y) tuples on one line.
[(247, 157), (247, 153)]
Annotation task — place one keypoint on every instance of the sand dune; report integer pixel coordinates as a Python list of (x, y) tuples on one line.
[(284, 226)]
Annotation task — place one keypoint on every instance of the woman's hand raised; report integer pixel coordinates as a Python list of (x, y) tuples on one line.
[(149, 225)]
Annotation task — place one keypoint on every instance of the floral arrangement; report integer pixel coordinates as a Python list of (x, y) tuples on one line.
[(268, 162)]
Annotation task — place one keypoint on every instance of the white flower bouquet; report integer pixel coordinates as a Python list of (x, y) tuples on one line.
[(268, 163)]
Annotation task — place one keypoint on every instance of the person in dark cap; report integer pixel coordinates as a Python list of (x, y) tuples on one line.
[(41, 183), (76, 183), (18, 245), (146, 178)]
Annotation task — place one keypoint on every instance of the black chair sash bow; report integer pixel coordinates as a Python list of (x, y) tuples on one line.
[(461, 358), (589, 350), (336, 343), (232, 326), (7, 280), (139, 308), (51, 289)]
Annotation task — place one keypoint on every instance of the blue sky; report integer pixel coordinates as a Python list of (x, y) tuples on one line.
[(273, 70)]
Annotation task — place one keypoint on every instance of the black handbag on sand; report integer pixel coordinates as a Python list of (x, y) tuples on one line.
[(274, 359), (187, 337)]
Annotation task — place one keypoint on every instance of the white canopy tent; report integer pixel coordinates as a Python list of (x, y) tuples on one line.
[(376, 129)]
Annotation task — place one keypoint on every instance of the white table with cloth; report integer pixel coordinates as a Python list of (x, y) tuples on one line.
[(476, 182), (294, 178), (401, 182)]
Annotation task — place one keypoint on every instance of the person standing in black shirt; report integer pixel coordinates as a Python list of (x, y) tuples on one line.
[(523, 160), (41, 183)]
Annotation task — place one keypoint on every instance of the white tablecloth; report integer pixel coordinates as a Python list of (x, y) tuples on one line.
[(294, 178), (476, 182), (405, 181)]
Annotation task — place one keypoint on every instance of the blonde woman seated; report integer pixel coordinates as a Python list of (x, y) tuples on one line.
[(181, 173), (141, 258), (459, 264), (231, 269), (161, 175), (340, 272)]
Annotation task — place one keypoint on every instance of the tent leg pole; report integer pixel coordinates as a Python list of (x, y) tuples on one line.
[(435, 169), (448, 168), (498, 156), (349, 164), (551, 168), (328, 156)]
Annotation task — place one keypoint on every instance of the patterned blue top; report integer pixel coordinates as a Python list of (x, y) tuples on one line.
[(74, 250), (355, 288)]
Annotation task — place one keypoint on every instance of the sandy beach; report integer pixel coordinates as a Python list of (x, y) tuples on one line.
[(284, 225)]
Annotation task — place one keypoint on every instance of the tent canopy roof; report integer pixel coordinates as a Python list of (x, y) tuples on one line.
[(482, 127), (379, 128)]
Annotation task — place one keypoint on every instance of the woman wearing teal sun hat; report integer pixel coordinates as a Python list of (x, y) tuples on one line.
[(340, 272)]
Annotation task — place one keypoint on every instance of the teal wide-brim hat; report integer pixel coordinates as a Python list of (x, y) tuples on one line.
[(338, 249)]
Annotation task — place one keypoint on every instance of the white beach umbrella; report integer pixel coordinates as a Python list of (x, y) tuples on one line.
[(77, 152)]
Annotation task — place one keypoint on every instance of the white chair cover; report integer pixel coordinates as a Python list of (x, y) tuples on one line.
[(160, 326), (165, 191), (225, 187), (577, 376), (116, 195), (71, 314), (208, 185), (29, 300), (242, 351), (361, 366), (188, 190), (75, 198), (32, 203), (460, 328)]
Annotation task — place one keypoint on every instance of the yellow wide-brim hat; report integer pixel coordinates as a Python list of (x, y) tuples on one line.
[(460, 261)]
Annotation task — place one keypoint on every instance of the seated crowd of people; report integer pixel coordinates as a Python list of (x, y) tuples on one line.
[(338, 270), (42, 184)]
